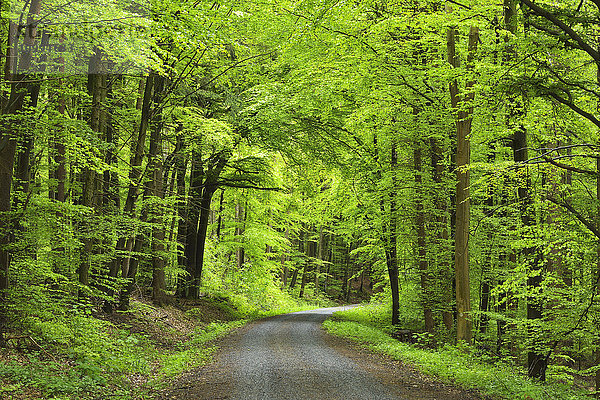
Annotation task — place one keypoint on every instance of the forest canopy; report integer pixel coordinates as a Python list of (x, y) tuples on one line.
[(440, 156)]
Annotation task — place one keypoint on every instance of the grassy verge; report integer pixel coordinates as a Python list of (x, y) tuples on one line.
[(128, 355), (67, 355), (448, 363)]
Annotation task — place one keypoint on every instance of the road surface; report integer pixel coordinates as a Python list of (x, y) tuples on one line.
[(290, 357)]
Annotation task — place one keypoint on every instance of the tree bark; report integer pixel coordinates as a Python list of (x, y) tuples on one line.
[(240, 217), (319, 260), (446, 275), (97, 88), (210, 186), (156, 170), (392, 246), (597, 284), (463, 154), (8, 146), (125, 245), (426, 295)]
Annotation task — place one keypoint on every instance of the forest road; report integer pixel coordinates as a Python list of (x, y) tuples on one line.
[(290, 357)]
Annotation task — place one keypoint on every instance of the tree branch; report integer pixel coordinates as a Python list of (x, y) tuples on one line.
[(541, 12), (577, 215), (569, 167), (575, 108)]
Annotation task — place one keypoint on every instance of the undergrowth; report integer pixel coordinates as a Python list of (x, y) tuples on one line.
[(60, 354), (450, 363)]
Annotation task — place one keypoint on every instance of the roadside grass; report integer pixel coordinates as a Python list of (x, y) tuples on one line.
[(63, 355), (449, 363), (84, 357)]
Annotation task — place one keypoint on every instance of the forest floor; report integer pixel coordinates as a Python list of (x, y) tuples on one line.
[(292, 357), (126, 354)]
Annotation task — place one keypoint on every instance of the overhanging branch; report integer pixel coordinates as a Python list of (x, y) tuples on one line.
[(588, 224)]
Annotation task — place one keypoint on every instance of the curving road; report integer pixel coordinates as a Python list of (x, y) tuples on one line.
[(286, 357), (290, 357)]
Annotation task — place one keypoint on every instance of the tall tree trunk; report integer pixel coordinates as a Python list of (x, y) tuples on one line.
[(192, 216), (300, 246), (125, 245), (210, 186), (25, 147), (597, 277), (156, 169), (56, 160), (240, 217), (97, 88), (346, 264), (463, 154), (220, 217), (392, 246), (487, 266), (284, 258), (446, 275), (182, 207), (319, 261), (8, 146), (311, 252), (536, 360), (350, 272), (426, 295)]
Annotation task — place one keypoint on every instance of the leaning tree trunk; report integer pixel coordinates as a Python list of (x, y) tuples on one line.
[(125, 244), (210, 186)]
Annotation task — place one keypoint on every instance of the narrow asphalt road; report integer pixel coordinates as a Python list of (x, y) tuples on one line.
[(290, 357), (287, 358)]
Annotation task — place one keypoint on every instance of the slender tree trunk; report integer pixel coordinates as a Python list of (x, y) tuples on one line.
[(392, 246), (126, 244), (284, 258), (536, 360), (300, 250), (7, 156), (346, 263), (56, 161), (220, 217), (304, 278), (97, 88), (24, 160), (426, 295), (442, 236), (330, 260), (487, 266), (311, 252), (350, 272), (240, 217), (192, 217), (319, 261)]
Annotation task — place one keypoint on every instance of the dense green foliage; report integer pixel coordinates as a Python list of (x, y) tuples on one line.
[(451, 364), (442, 154)]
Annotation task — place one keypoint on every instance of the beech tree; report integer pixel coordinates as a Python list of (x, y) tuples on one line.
[(443, 160)]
